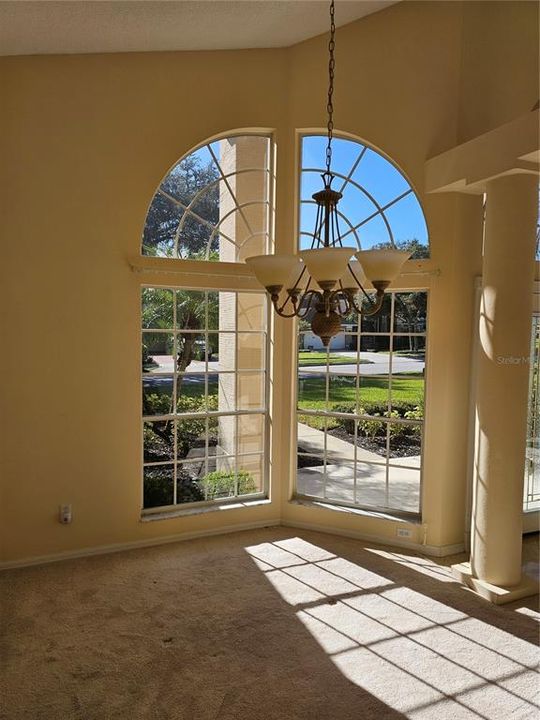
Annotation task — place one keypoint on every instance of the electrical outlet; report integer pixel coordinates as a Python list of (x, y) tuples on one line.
[(404, 532), (64, 514)]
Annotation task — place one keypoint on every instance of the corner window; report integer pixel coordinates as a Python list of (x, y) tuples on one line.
[(361, 401)]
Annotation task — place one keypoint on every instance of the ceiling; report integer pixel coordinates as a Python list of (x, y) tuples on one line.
[(103, 26)]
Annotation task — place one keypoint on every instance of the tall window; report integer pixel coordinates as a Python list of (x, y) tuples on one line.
[(203, 395), (204, 352), (361, 401), (531, 499)]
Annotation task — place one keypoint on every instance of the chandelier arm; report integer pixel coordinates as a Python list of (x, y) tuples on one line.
[(309, 295), (360, 284), (375, 305), (280, 310), (335, 297), (292, 290)]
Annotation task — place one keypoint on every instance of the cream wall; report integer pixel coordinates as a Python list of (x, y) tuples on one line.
[(85, 141)]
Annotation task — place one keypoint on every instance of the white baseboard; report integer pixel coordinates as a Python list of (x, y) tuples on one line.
[(431, 550), (121, 547)]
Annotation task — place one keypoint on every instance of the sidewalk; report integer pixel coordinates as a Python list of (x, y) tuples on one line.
[(402, 491)]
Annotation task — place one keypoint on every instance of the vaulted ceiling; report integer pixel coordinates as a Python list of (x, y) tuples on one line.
[(34, 28)]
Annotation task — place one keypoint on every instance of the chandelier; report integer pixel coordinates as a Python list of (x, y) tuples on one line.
[(324, 283)]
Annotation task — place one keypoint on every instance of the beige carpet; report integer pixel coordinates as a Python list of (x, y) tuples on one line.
[(273, 624)]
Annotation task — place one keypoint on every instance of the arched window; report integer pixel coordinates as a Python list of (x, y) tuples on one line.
[(361, 402), (215, 203), (204, 349), (379, 207)]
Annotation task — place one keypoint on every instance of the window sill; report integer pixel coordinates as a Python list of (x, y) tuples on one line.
[(186, 512), (410, 518)]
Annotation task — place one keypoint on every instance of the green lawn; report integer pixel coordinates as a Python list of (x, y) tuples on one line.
[(373, 391), (314, 358)]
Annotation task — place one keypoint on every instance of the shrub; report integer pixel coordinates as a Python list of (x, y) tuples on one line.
[(158, 487), (222, 484)]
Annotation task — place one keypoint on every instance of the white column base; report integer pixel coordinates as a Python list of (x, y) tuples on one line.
[(496, 594)]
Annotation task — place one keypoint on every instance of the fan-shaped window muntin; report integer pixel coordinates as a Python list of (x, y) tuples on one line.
[(379, 206), (203, 210)]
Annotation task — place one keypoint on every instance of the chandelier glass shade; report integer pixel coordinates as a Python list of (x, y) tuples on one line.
[(324, 284)]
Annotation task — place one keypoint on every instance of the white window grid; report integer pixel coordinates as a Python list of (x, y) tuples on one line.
[(345, 181), (531, 499), (387, 463), (216, 230), (174, 417)]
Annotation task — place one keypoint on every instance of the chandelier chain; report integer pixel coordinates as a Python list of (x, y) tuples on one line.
[(331, 73)]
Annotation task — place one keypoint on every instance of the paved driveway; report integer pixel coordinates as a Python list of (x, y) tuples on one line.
[(378, 364)]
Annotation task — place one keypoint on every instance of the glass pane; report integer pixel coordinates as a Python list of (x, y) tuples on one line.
[(409, 354), (251, 351), (157, 308), (190, 310), (188, 487), (158, 441), (410, 312), (312, 390), (221, 436), (190, 393), (249, 474), (380, 322), (250, 433), (312, 434), (373, 232), (226, 311), (373, 394), (380, 178), (407, 221), (340, 479), (161, 226), (206, 204), (310, 475), (190, 175), (194, 238), (404, 489), (222, 391), (158, 486), (191, 438), (408, 396), (371, 484), (222, 351), (374, 350), (191, 352), (251, 311), (217, 309), (157, 352), (371, 440), (405, 444), (157, 395), (342, 392), (250, 391), (532, 449), (221, 482)]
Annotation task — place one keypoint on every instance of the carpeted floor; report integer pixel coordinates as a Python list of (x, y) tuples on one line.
[(272, 624)]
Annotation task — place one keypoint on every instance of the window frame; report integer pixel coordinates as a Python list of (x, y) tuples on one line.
[(407, 288), (207, 275), (356, 417), (264, 494), (267, 133)]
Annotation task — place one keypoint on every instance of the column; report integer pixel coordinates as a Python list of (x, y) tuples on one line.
[(503, 368)]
